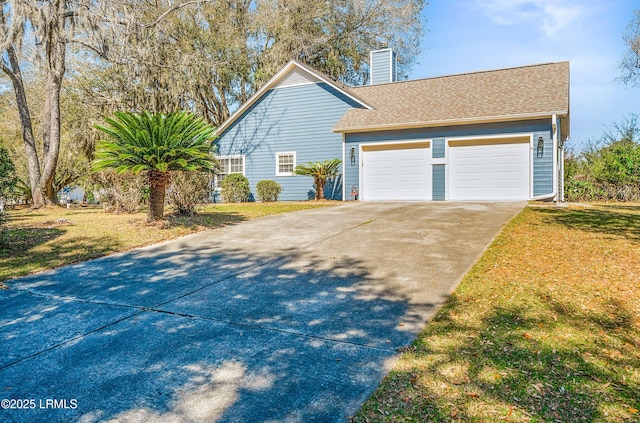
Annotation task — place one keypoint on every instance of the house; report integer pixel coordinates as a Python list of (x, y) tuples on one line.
[(491, 135), (71, 194)]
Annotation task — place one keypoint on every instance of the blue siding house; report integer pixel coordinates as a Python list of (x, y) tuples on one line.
[(483, 136)]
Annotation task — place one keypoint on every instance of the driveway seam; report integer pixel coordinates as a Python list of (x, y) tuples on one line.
[(143, 309), (156, 308), (75, 338)]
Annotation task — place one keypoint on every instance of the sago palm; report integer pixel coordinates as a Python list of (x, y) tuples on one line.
[(320, 171), (155, 144)]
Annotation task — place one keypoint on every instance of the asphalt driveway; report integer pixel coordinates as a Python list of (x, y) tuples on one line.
[(293, 317)]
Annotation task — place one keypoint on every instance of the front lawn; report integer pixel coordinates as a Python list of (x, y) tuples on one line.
[(53, 237), (545, 328)]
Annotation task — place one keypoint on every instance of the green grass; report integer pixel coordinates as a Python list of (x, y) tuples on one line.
[(544, 328), (53, 237)]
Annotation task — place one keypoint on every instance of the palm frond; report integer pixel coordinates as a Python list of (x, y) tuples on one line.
[(147, 141), (325, 170)]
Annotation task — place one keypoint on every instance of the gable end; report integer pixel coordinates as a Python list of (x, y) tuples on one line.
[(292, 74), (296, 77)]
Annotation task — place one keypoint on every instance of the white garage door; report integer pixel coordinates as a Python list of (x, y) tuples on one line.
[(489, 169), (396, 172)]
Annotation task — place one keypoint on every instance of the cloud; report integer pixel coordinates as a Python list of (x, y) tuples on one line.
[(548, 17)]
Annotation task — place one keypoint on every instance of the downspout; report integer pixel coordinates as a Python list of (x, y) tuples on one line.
[(554, 194), (561, 171), (344, 168)]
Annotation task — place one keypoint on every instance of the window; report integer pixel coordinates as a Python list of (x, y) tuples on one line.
[(285, 164), (228, 165)]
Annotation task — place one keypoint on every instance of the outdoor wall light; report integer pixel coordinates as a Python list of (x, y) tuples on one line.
[(353, 156), (540, 149)]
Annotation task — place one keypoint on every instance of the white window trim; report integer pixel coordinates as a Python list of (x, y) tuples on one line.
[(285, 153), (235, 156)]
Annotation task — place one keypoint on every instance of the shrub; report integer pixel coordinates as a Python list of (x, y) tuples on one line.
[(120, 193), (617, 163), (607, 169), (235, 188), (3, 229), (188, 190), (579, 189), (91, 198), (8, 177), (268, 190), (627, 192)]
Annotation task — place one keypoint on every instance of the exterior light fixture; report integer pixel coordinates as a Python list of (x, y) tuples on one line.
[(540, 149), (352, 156)]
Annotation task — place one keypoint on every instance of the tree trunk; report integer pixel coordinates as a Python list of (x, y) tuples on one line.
[(56, 46), (320, 188), (33, 164), (51, 138), (158, 182)]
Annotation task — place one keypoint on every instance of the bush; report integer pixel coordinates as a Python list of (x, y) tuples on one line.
[(3, 229), (188, 190), (268, 190), (578, 189), (608, 169), (617, 163), (8, 177), (235, 188), (120, 193)]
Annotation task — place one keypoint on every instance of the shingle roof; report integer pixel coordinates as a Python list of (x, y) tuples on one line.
[(506, 94)]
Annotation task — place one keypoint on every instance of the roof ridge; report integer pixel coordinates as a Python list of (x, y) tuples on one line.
[(311, 69), (462, 74), (526, 92)]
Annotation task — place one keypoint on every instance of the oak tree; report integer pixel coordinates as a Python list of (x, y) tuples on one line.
[(630, 63)]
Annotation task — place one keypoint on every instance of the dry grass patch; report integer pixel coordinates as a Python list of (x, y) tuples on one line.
[(53, 237), (545, 328)]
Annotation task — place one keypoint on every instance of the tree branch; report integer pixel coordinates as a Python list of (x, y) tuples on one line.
[(175, 8), (6, 69), (96, 50)]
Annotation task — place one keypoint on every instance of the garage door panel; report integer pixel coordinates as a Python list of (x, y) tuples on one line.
[(507, 169), (489, 171), (396, 173), (471, 161)]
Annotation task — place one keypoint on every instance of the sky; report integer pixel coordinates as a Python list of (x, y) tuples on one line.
[(473, 35)]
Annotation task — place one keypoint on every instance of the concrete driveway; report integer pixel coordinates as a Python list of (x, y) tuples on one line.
[(293, 317)]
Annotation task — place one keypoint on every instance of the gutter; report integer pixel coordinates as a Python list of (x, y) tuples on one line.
[(443, 122), (554, 194)]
